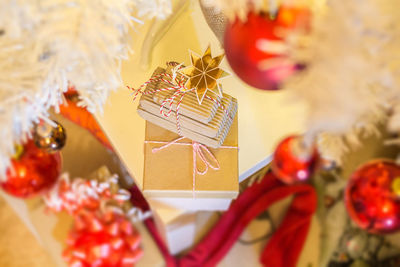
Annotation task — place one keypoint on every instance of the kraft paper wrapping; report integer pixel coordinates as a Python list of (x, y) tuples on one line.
[(169, 172)]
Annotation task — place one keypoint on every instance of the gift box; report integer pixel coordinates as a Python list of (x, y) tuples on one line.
[(177, 228), (176, 168), (169, 106)]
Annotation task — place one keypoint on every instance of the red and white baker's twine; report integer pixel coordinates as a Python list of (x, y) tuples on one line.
[(177, 84), (199, 150)]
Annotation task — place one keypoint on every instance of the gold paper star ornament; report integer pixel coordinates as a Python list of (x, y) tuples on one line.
[(204, 74)]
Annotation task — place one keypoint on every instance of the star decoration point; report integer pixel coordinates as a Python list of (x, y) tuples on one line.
[(204, 73)]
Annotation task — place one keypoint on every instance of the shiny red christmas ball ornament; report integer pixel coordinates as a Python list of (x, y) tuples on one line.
[(31, 172), (293, 162), (256, 48), (372, 197), (103, 240)]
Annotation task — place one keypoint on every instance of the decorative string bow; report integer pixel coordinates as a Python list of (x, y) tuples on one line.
[(200, 151)]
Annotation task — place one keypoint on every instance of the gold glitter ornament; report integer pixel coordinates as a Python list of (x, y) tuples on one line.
[(48, 137)]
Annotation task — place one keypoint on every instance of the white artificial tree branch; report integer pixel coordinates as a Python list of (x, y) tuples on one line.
[(45, 45), (352, 80)]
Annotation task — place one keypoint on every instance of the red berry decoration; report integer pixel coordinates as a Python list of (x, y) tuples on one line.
[(372, 197), (256, 48), (31, 172), (293, 162), (103, 241)]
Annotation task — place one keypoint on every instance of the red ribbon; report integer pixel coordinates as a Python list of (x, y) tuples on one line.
[(282, 250), (102, 240)]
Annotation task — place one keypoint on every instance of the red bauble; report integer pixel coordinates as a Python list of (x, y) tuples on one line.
[(32, 172), (292, 162), (103, 241), (255, 49), (372, 197)]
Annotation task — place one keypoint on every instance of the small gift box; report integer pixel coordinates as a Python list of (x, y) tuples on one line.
[(176, 167), (167, 103)]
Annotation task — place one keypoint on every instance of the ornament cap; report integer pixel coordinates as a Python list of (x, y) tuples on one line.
[(396, 186), (302, 150), (18, 151)]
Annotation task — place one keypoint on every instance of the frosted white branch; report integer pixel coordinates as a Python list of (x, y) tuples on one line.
[(46, 45), (352, 79)]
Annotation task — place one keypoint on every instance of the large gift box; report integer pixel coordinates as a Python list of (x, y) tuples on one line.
[(177, 168), (177, 228)]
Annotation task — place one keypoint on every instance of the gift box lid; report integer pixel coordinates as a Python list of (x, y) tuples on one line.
[(189, 104)]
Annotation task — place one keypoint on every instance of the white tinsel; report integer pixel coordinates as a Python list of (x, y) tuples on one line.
[(352, 77), (45, 45)]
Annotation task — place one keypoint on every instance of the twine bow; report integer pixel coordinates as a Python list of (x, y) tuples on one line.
[(200, 152)]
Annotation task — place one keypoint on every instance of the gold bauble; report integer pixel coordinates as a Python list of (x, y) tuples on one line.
[(48, 137)]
